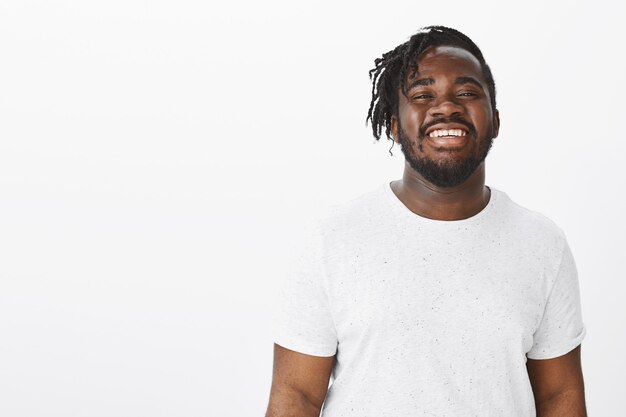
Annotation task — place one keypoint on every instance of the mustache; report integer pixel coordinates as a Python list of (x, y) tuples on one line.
[(470, 127)]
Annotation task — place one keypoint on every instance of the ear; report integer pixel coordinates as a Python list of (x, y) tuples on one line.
[(394, 128), (496, 123)]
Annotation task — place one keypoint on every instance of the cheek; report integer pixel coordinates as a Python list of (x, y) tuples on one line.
[(482, 119), (411, 122)]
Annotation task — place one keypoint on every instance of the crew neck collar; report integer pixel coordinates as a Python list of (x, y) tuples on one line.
[(404, 211)]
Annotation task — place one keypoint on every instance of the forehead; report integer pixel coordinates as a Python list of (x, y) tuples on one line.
[(448, 60)]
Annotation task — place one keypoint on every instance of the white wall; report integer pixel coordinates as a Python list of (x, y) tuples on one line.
[(157, 159)]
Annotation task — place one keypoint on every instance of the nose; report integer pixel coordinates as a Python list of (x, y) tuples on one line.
[(445, 108)]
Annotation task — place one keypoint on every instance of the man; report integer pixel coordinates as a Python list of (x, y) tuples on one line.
[(433, 295)]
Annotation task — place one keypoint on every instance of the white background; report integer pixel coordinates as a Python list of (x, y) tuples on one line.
[(158, 158)]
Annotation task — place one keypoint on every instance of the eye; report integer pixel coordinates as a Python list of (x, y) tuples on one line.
[(467, 94), (421, 96)]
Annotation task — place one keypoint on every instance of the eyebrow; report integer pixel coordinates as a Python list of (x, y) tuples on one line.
[(421, 81), (459, 80), (468, 80)]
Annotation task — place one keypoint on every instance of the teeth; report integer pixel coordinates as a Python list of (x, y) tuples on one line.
[(446, 132)]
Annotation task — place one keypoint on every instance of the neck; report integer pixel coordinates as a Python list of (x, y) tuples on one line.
[(437, 203)]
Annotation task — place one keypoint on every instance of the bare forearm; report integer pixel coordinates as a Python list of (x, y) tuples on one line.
[(290, 404), (567, 404)]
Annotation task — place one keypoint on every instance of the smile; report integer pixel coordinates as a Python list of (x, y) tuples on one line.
[(447, 132), (447, 140)]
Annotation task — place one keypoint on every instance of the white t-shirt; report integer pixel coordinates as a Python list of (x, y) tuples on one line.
[(430, 317)]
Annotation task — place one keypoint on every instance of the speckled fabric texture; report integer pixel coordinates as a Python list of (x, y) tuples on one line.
[(430, 317)]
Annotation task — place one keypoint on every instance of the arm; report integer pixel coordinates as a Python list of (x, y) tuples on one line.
[(558, 385), (299, 383)]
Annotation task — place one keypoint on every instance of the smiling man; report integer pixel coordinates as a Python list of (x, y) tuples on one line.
[(433, 295)]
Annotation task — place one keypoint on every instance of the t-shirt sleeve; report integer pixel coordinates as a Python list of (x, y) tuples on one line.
[(561, 328), (302, 319)]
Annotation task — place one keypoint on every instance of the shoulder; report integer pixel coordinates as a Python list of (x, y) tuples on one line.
[(352, 214), (530, 225)]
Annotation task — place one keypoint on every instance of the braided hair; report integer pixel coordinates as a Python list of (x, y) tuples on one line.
[(391, 70)]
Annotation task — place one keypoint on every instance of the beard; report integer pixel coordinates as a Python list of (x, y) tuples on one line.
[(445, 172)]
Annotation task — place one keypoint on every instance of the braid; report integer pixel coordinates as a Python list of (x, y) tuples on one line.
[(393, 67), (381, 107)]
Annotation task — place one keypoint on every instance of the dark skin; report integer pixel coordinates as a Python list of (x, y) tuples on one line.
[(445, 98), (300, 382), (558, 385)]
